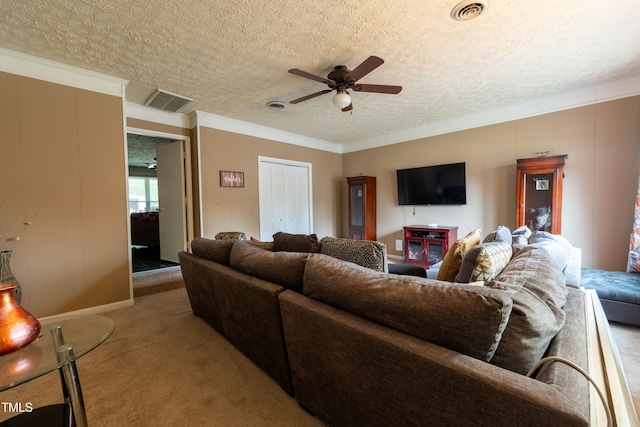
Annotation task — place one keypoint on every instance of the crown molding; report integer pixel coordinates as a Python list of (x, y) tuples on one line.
[(200, 118), (537, 107), (141, 112), (55, 72)]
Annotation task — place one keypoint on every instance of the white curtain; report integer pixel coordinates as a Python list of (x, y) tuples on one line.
[(633, 263)]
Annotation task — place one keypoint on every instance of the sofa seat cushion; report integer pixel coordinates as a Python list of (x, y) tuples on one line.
[(214, 250), (282, 268), (465, 318), (366, 253), (536, 285)]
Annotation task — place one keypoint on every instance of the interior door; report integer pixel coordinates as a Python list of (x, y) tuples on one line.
[(285, 197), (296, 203), (172, 200)]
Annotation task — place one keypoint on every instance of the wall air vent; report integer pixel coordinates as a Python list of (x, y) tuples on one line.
[(467, 10), (167, 101)]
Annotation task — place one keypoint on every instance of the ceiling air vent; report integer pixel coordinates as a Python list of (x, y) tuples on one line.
[(467, 10), (276, 105), (167, 101)]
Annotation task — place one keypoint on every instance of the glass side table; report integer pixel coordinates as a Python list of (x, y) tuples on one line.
[(59, 345)]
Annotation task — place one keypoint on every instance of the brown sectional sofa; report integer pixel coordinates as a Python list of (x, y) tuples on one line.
[(362, 347)]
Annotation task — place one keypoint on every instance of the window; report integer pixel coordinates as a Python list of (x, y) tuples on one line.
[(143, 194)]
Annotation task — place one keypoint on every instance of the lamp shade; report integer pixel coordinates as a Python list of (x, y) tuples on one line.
[(341, 99)]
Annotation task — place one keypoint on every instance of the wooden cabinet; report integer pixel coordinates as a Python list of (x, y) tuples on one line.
[(539, 193), (362, 207), (424, 245)]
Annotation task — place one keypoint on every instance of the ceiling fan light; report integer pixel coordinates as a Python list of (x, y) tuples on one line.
[(341, 100)]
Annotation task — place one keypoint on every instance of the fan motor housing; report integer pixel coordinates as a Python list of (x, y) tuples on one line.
[(339, 74)]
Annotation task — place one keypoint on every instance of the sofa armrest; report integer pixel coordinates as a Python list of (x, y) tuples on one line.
[(572, 270), (433, 270), (605, 366)]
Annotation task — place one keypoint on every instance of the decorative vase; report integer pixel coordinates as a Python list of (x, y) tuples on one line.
[(7, 277), (18, 327)]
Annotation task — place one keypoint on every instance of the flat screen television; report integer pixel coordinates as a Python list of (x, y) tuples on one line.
[(433, 185)]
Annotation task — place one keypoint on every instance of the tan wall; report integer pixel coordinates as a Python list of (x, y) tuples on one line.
[(64, 167), (62, 152), (603, 144), (237, 209)]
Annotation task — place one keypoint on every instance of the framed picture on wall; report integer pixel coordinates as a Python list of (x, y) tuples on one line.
[(231, 179)]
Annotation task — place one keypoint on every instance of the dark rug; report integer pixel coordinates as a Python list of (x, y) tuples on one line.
[(612, 285)]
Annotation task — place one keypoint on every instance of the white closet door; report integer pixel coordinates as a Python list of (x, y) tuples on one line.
[(296, 200), (284, 198)]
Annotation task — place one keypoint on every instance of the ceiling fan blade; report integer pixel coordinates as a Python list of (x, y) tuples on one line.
[(311, 76), (313, 95), (369, 64), (377, 88), (348, 108)]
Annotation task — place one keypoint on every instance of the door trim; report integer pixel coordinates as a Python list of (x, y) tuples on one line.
[(187, 172)]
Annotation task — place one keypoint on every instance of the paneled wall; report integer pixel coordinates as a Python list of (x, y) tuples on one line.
[(64, 168), (237, 209)]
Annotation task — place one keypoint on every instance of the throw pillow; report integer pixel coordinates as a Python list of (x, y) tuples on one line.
[(539, 295), (237, 235), (366, 253), (295, 242), (500, 234), (520, 236), (453, 258), (484, 262)]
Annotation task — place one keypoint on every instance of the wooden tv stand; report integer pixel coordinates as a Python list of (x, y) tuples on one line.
[(425, 246)]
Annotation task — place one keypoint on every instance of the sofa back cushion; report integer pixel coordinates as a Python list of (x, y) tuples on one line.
[(282, 268), (465, 318), (214, 250), (556, 246), (536, 285), (366, 253)]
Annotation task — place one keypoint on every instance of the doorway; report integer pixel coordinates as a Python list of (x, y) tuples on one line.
[(159, 199)]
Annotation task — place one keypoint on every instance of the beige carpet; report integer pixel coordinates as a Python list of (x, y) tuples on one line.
[(627, 339), (165, 367)]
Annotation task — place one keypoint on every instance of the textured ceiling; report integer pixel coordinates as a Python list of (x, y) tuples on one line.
[(232, 56), (141, 149)]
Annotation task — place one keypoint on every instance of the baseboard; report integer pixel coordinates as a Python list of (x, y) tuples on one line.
[(91, 310)]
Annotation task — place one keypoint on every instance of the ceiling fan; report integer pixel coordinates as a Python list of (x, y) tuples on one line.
[(341, 79)]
